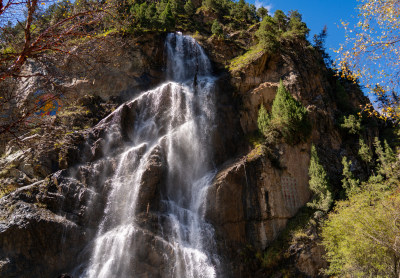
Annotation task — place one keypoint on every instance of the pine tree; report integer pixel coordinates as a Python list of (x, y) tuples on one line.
[(176, 7), (364, 152), (281, 20), (167, 18), (237, 10), (139, 12), (252, 14), (319, 45), (386, 159), (161, 7), (349, 183), (189, 8), (322, 199), (262, 12), (352, 123), (289, 116), (151, 15), (267, 34), (297, 28), (211, 4), (263, 120), (216, 29)]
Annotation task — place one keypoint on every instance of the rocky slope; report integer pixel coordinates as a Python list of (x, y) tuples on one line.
[(44, 223)]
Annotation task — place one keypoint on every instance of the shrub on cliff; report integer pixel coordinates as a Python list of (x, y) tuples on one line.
[(288, 117), (352, 124), (349, 183), (319, 185), (216, 29)]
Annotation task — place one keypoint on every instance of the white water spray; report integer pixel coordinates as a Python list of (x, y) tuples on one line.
[(178, 119)]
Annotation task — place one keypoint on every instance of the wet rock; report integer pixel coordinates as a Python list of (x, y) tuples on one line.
[(150, 260), (151, 182), (97, 149)]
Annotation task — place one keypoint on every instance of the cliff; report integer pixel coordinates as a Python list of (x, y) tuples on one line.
[(57, 192)]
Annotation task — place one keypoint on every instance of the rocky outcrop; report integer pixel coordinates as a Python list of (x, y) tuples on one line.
[(303, 74), (263, 94)]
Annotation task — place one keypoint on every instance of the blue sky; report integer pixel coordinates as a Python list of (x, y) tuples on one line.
[(317, 14)]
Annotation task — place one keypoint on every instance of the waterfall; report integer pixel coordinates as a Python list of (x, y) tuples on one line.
[(177, 120)]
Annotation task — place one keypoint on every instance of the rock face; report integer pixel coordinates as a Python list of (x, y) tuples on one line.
[(126, 68), (44, 226), (251, 201)]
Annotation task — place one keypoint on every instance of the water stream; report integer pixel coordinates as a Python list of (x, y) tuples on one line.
[(177, 120)]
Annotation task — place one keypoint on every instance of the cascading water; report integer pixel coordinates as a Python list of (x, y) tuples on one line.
[(177, 119)]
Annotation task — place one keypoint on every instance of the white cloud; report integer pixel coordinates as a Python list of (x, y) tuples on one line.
[(261, 3)]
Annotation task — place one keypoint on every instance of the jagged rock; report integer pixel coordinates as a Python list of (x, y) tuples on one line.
[(152, 180), (150, 260), (30, 242)]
